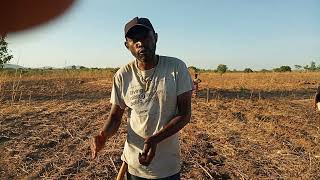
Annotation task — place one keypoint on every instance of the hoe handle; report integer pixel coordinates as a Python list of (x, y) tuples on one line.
[(122, 171)]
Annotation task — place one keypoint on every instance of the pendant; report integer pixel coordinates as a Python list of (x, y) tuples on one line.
[(141, 96), (147, 86)]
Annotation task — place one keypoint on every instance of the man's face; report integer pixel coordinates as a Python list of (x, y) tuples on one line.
[(141, 42)]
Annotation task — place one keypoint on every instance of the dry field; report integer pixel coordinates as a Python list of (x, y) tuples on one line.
[(255, 126)]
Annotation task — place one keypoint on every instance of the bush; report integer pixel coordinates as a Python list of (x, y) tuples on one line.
[(247, 70), (222, 68), (283, 69), (194, 69), (264, 70)]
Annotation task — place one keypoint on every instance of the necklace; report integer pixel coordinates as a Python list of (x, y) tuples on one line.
[(146, 80)]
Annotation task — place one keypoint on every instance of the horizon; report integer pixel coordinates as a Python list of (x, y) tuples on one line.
[(246, 34), (229, 69)]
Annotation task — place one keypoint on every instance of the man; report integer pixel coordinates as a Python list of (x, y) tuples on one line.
[(196, 82), (157, 92)]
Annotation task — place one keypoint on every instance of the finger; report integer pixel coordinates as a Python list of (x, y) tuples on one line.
[(148, 159), (93, 148), (145, 159), (150, 155), (146, 149), (153, 150), (142, 155), (142, 159), (143, 162), (94, 154), (96, 147)]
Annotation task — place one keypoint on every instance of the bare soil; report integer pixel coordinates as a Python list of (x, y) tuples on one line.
[(258, 129)]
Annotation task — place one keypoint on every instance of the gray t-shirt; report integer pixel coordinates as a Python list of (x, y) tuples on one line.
[(151, 97)]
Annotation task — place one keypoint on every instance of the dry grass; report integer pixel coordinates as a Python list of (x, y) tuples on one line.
[(255, 126)]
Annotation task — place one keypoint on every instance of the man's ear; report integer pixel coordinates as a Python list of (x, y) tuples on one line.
[(126, 44), (156, 37)]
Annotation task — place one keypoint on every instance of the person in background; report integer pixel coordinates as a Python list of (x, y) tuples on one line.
[(196, 82)]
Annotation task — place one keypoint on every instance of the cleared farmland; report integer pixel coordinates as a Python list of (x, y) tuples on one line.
[(255, 126)]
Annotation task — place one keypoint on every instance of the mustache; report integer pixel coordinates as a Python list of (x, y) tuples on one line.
[(144, 49)]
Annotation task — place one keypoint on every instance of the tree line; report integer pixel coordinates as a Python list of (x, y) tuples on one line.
[(222, 68)]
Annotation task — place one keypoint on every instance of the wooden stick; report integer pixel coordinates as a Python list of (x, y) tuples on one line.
[(205, 171), (114, 166), (122, 171)]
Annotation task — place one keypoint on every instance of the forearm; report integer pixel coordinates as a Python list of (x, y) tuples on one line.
[(110, 127), (176, 123), (174, 126)]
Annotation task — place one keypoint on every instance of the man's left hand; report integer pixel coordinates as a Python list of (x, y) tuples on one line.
[(149, 151)]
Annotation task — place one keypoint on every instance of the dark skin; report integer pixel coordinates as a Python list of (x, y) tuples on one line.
[(110, 127), (142, 44)]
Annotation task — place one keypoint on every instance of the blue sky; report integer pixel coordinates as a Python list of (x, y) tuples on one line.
[(239, 33)]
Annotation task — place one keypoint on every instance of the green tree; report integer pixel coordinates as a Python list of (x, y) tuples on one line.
[(264, 70), (222, 68), (5, 57), (283, 69), (298, 67), (313, 66), (194, 69), (247, 70)]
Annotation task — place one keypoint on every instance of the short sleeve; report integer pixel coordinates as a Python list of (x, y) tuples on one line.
[(184, 80), (116, 95)]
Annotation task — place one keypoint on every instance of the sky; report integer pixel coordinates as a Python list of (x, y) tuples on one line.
[(262, 34)]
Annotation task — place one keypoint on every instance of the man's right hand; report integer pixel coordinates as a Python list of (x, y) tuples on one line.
[(148, 152), (97, 144)]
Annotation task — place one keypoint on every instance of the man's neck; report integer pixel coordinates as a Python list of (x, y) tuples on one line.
[(147, 65)]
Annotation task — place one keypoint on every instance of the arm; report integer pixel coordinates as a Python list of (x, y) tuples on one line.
[(174, 126), (110, 127), (179, 121), (113, 122)]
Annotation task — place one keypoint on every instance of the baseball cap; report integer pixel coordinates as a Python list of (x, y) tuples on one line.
[(143, 22)]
